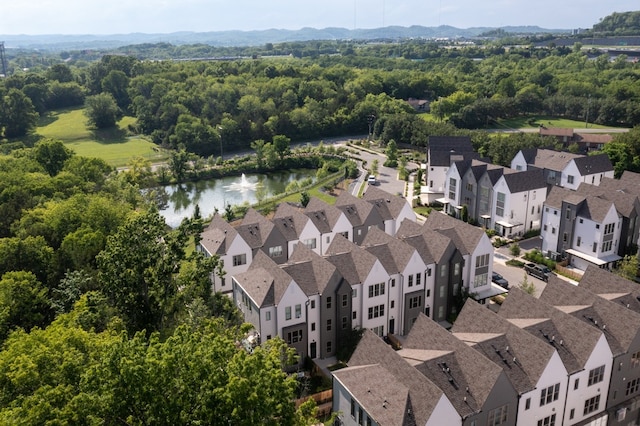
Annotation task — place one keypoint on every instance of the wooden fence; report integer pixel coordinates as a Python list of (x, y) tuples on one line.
[(324, 401)]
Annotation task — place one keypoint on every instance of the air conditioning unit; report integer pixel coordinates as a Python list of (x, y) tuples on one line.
[(621, 414)]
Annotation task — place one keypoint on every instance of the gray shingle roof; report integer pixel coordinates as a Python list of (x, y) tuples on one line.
[(631, 179), (355, 209), (394, 254), (393, 204), (627, 203), (353, 262), (264, 281), (525, 180), (476, 325), (591, 164), (289, 221), (558, 194), (595, 208), (217, 236), (611, 287), (573, 339), (466, 237), (550, 159), (323, 215), (311, 272), (372, 350), (255, 229), (619, 325), (465, 366), (442, 148)]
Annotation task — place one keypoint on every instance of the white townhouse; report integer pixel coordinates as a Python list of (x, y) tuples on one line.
[(530, 363), (296, 228), (518, 202), (442, 151), (586, 228), (221, 239), (329, 220), (584, 350)]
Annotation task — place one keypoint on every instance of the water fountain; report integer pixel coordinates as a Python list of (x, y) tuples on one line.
[(243, 185)]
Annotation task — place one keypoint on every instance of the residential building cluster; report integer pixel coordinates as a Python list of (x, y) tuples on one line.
[(571, 357), (311, 275)]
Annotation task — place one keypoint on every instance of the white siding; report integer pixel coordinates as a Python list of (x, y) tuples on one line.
[(444, 414), (550, 219), (519, 161), (293, 296)]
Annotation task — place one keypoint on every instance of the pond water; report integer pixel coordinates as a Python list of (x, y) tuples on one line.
[(182, 198)]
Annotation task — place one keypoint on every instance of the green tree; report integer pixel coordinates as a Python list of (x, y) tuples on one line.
[(282, 145), (514, 249), (392, 154), (23, 302), (628, 267), (17, 114), (116, 83), (102, 110), (179, 164), (52, 155), (304, 198), (258, 147), (527, 286)]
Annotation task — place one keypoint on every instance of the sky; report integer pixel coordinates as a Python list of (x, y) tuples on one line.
[(35, 17)]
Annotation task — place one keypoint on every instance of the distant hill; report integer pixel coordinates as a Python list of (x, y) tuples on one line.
[(253, 38)]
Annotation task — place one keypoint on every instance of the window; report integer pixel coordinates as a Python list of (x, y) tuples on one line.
[(329, 346), (428, 292), (329, 325), (328, 239), (545, 228), (498, 416), (606, 246), (313, 304), (595, 247), (376, 290), (579, 241), (415, 302), (294, 336), (393, 282), (328, 302), (484, 199), (608, 229), (310, 243), (632, 386), (313, 326), (576, 383), (635, 359), (570, 179), (456, 269), (345, 300), (564, 237), (581, 220), (500, 201), (470, 187), (376, 311), (596, 375), (440, 312), (482, 260), (452, 188), (418, 279), (360, 416), (369, 421), (379, 331), (527, 404), (287, 313), (443, 271), (591, 405), (239, 259), (443, 291), (354, 292), (572, 414), (410, 281), (344, 322), (480, 280), (568, 213), (353, 408), (354, 315), (275, 251), (427, 311), (549, 394), (267, 316), (597, 226), (553, 230), (548, 421), (298, 311)]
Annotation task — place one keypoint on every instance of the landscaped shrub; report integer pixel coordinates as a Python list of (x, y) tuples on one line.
[(514, 262), (536, 256), (514, 249)]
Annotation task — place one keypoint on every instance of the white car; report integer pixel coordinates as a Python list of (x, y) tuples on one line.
[(371, 180)]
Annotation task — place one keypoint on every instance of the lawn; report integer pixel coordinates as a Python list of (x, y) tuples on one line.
[(534, 121), (112, 145)]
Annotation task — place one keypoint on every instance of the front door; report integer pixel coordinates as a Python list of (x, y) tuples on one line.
[(392, 326), (313, 350)]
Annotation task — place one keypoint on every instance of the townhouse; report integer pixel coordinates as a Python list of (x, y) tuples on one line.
[(361, 215), (563, 168), (380, 388), (621, 327), (584, 351), (584, 228), (529, 363), (393, 210), (296, 228), (329, 220), (222, 240), (442, 151), (478, 388), (262, 235), (612, 287)]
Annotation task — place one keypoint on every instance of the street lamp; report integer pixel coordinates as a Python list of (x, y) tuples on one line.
[(370, 119), (221, 154)]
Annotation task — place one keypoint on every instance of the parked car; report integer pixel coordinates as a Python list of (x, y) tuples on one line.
[(371, 180), (538, 271), (499, 279)]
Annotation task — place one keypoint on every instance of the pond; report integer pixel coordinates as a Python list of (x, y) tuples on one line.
[(182, 198)]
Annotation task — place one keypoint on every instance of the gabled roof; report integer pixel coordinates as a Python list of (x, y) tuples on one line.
[(390, 206), (311, 272), (385, 404), (218, 236), (631, 178), (265, 282), (255, 229), (593, 137), (289, 221), (442, 148), (431, 245), (323, 215), (556, 131), (611, 287), (626, 202), (466, 237), (522, 356), (574, 340), (525, 180), (393, 253), (355, 209), (591, 164), (619, 325), (495, 173), (353, 262), (548, 158), (453, 367), (371, 350), (595, 208), (558, 195)]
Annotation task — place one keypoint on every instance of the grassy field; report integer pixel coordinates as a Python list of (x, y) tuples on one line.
[(111, 145), (535, 121)]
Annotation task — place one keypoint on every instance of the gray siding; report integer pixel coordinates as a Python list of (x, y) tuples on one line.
[(301, 344), (411, 313), (343, 311), (623, 372), (328, 323), (276, 239)]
